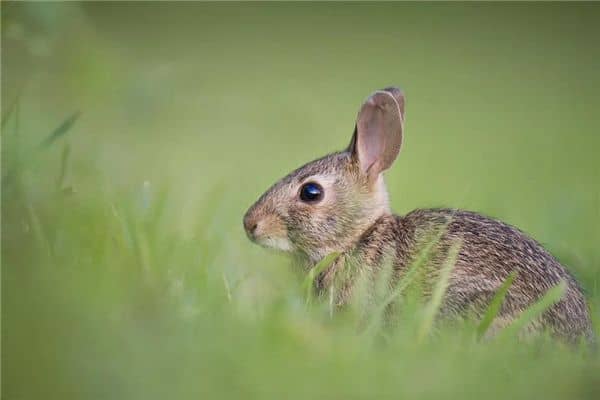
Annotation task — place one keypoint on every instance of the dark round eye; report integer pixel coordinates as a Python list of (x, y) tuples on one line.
[(311, 192)]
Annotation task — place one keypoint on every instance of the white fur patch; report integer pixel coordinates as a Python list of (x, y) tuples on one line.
[(381, 195), (277, 243)]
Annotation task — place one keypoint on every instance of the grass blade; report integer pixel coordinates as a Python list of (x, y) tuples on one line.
[(61, 130), (411, 274), (13, 108), (495, 305), (315, 271), (38, 231), (432, 308), (406, 280), (64, 163), (552, 296)]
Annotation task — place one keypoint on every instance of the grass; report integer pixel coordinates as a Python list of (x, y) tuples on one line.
[(495, 305), (126, 272), (118, 308)]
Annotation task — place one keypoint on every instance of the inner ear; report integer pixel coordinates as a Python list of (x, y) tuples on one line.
[(377, 135)]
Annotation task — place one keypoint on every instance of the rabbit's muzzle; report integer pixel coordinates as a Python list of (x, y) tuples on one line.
[(250, 225)]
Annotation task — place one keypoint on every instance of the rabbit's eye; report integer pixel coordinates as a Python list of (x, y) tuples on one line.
[(311, 192)]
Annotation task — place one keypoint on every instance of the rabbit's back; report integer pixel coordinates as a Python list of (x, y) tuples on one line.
[(490, 251)]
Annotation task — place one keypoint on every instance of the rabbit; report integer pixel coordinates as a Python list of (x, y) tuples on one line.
[(339, 204)]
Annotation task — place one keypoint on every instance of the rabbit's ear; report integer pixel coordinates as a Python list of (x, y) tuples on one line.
[(378, 133)]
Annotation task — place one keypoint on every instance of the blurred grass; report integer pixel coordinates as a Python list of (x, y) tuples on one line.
[(126, 273)]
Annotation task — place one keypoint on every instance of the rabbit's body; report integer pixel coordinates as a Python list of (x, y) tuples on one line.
[(339, 203), (489, 252)]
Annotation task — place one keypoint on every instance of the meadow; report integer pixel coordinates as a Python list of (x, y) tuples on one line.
[(136, 135)]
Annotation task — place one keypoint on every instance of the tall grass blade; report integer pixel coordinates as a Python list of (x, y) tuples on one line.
[(432, 308), (411, 274), (13, 167), (13, 108), (38, 231), (64, 163), (381, 292), (495, 305), (321, 266), (61, 130), (406, 280), (552, 296)]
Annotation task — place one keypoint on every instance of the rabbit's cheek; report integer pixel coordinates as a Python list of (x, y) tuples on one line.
[(270, 225)]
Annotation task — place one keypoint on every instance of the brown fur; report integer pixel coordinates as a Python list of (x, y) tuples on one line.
[(354, 219)]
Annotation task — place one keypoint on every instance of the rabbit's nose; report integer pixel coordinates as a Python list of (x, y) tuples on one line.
[(250, 225)]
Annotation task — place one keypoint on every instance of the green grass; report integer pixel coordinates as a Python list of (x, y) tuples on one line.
[(134, 138)]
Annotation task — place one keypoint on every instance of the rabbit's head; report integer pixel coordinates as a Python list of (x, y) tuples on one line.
[(327, 204)]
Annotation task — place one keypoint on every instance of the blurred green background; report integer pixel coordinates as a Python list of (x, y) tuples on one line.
[(126, 272)]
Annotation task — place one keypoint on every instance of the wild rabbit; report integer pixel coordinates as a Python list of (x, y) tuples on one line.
[(339, 203)]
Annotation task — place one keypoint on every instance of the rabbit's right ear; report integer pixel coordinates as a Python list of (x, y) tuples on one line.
[(378, 133)]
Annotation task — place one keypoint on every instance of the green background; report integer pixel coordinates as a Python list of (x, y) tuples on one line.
[(131, 277)]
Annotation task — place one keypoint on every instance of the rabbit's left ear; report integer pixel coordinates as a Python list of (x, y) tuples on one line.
[(378, 133)]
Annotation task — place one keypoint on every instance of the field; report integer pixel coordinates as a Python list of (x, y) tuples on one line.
[(135, 136)]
